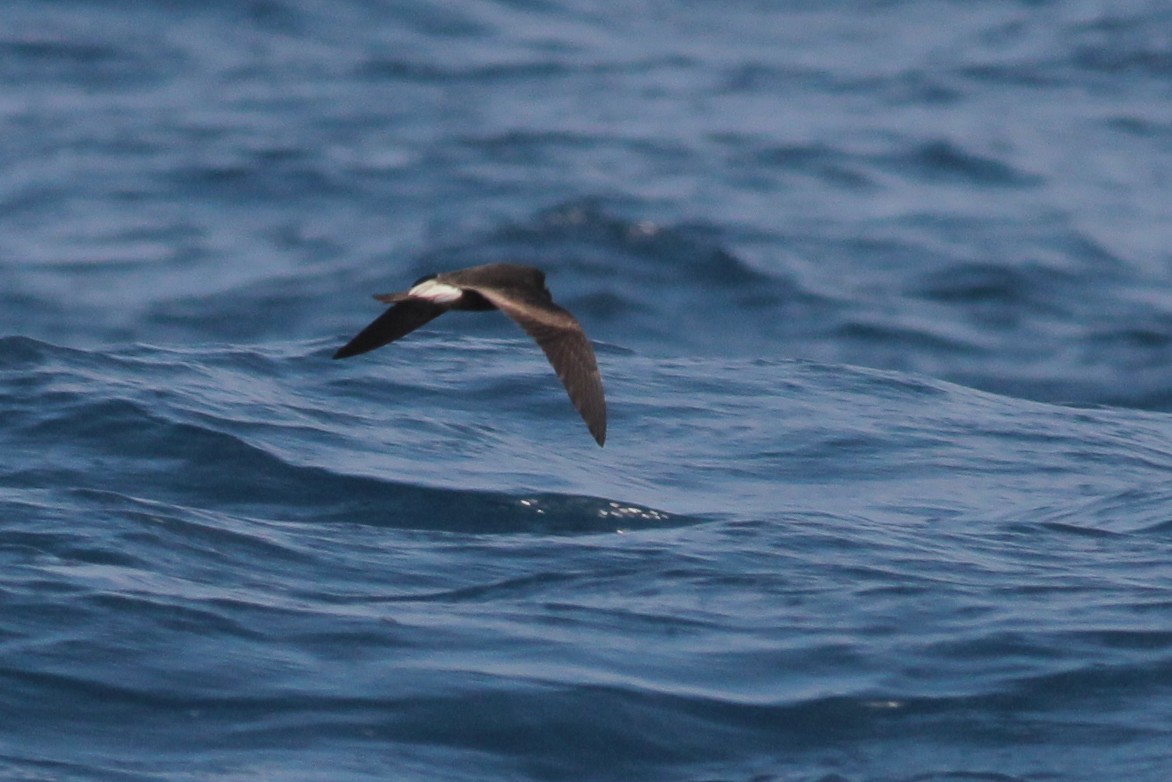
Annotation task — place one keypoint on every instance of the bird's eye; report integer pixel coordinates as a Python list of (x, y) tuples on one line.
[(422, 279)]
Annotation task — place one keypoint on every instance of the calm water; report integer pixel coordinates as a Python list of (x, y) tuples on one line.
[(882, 299)]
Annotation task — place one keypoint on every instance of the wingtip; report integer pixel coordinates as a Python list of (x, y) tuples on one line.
[(350, 349)]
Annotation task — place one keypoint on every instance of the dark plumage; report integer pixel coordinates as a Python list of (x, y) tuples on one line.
[(520, 293)]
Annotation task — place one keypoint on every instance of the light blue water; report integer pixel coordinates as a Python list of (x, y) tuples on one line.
[(882, 300)]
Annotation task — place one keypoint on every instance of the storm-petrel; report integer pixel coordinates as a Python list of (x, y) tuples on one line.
[(520, 293)]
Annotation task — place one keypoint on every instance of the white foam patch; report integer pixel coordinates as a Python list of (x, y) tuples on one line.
[(439, 292)]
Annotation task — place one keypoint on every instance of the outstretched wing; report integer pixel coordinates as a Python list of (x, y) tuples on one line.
[(565, 345), (401, 319)]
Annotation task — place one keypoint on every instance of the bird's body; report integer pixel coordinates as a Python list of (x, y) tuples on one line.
[(520, 293)]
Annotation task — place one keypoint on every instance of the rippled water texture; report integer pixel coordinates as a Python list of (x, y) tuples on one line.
[(882, 298)]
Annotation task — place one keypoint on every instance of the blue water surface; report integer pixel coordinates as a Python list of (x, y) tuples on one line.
[(881, 294)]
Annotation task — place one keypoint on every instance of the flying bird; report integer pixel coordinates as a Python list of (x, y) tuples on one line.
[(520, 293)]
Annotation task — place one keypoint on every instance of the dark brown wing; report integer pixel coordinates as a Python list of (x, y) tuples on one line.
[(399, 320), (564, 343)]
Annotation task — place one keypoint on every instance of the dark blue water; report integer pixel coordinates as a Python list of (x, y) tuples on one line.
[(882, 299)]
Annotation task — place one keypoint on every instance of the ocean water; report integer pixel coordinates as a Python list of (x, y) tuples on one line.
[(881, 294)]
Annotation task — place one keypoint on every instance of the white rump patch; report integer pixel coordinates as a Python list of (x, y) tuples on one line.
[(439, 292)]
